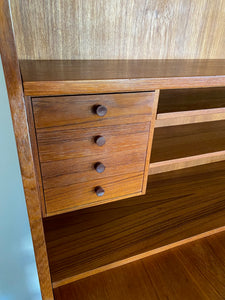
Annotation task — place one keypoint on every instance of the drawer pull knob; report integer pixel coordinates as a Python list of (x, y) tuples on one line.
[(99, 191), (100, 140), (99, 167), (101, 110)]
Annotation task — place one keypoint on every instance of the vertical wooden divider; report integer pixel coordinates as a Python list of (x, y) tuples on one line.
[(150, 139), (19, 117)]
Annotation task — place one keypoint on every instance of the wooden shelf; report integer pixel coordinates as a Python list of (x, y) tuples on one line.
[(61, 77), (178, 206), (192, 271), (185, 162), (190, 117), (174, 142), (185, 106)]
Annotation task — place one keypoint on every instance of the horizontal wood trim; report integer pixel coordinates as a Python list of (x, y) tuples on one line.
[(190, 117), (185, 162), (136, 257), (51, 88), (61, 77)]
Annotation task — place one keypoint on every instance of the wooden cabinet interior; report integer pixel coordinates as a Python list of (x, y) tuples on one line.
[(190, 271), (184, 199), (178, 205)]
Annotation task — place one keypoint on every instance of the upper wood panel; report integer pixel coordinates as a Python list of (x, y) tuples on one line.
[(60, 77), (117, 29)]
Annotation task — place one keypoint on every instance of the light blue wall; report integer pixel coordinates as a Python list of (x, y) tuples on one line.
[(18, 273)]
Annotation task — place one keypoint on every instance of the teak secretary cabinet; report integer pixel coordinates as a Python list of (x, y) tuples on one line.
[(120, 159)]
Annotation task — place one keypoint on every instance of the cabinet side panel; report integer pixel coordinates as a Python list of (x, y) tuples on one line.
[(18, 111)]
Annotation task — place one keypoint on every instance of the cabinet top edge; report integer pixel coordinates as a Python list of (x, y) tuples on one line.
[(64, 77)]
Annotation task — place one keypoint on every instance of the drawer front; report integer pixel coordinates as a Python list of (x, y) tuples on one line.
[(74, 170), (83, 194), (121, 109), (63, 143), (69, 137)]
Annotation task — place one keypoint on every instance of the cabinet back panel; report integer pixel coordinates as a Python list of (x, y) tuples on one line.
[(117, 29)]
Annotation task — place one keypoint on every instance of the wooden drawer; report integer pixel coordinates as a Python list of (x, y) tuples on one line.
[(74, 170), (76, 196), (67, 129), (121, 109), (73, 141)]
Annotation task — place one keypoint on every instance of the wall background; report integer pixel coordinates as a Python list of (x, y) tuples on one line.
[(119, 29), (18, 273)]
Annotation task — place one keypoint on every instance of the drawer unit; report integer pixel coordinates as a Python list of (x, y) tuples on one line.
[(83, 110), (93, 148)]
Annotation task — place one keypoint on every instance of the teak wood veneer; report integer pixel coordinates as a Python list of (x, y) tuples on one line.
[(84, 133), (192, 271), (60, 77)]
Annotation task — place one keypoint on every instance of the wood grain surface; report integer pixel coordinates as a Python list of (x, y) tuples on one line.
[(74, 196), (75, 170), (186, 106), (118, 29), (67, 128), (177, 205), (193, 271), (184, 100), (187, 140), (121, 109), (67, 77), (185, 162), (21, 130), (190, 117), (150, 139)]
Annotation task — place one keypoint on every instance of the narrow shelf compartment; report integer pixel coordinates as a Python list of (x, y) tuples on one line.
[(185, 162), (177, 207), (192, 271), (187, 140), (185, 106)]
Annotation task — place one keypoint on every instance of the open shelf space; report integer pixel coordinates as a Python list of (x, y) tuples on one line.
[(184, 106), (185, 162), (187, 140), (192, 271), (178, 205)]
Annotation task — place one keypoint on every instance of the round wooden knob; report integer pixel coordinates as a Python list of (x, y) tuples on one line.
[(99, 191), (100, 140), (101, 110), (99, 167)]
